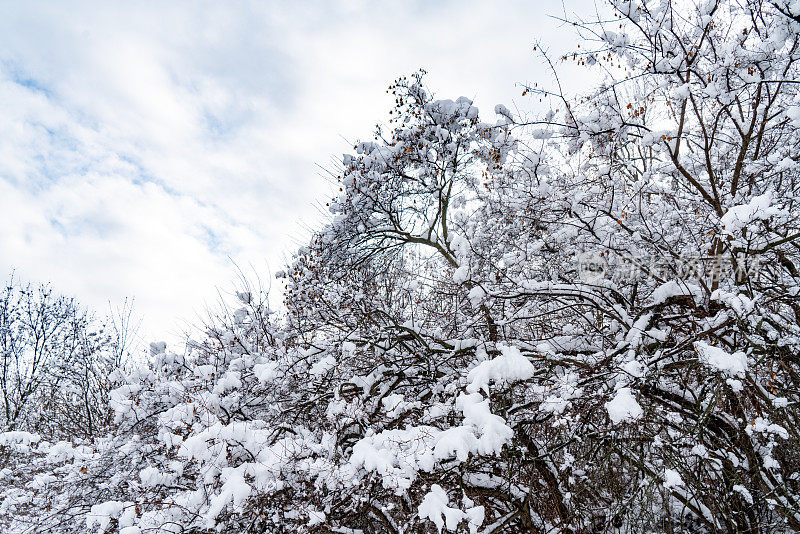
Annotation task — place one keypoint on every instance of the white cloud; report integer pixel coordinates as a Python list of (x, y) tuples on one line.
[(142, 144)]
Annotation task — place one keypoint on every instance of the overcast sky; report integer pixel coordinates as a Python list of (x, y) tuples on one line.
[(144, 146)]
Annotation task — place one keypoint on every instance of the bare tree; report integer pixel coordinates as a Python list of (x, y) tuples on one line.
[(55, 362)]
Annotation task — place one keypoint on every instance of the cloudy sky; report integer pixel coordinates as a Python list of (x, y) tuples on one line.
[(147, 146)]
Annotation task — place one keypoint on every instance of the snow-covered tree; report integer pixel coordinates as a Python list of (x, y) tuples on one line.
[(584, 321)]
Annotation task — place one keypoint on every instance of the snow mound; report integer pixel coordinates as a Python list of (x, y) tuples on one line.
[(731, 364), (623, 407)]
